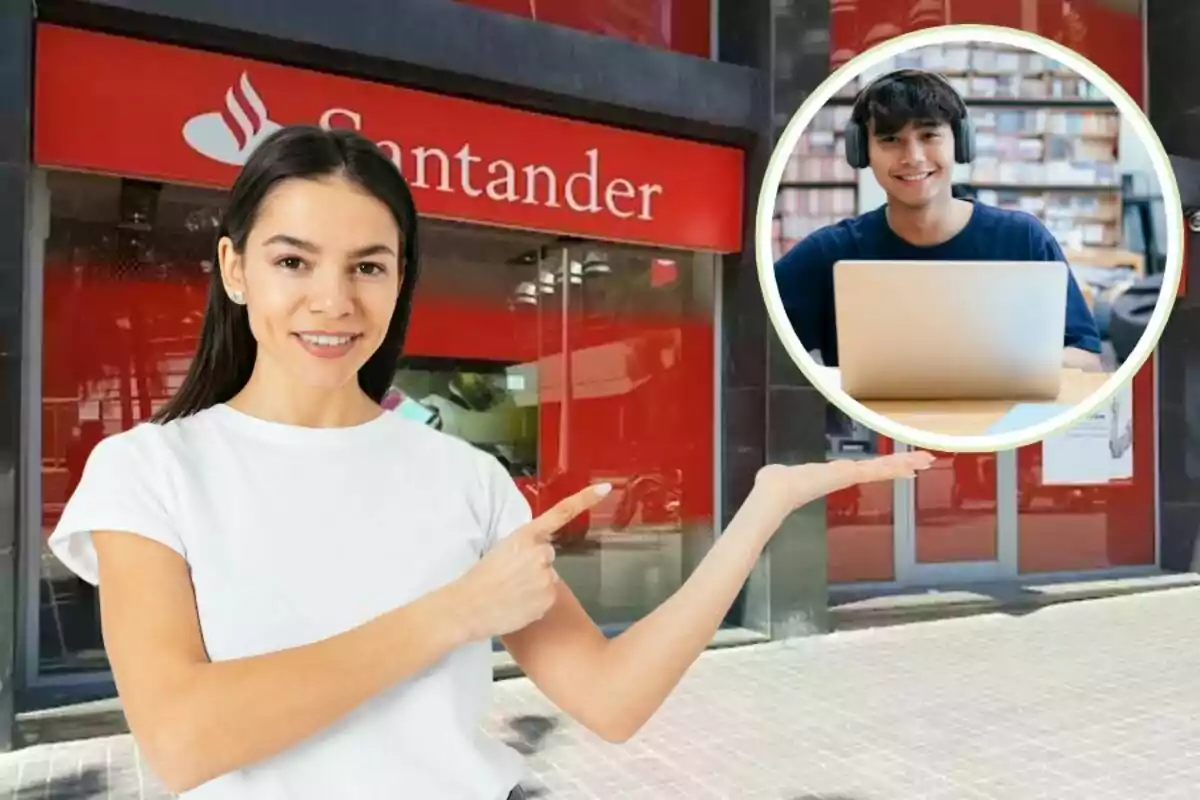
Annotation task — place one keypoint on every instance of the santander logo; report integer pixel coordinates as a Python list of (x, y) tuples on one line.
[(230, 136)]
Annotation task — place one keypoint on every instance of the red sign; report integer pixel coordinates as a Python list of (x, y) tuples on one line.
[(110, 104), (680, 25), (1109, 37)]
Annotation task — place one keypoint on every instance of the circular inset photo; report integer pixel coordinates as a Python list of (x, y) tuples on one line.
[(969, 238)]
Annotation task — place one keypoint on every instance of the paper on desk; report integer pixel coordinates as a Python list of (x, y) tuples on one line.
[(1096, 450), (1025, 415)]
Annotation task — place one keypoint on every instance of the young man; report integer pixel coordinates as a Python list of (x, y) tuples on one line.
[(910, 127)]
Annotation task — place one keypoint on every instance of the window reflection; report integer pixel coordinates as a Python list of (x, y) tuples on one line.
[(127, 270), (1098, 525), (859, 520), (631, 404)]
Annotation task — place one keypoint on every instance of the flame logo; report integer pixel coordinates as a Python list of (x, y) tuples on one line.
[(236, 101), (231, 134)]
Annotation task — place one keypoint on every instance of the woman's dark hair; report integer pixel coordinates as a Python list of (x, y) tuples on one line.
[(225, 355), (908, 95)]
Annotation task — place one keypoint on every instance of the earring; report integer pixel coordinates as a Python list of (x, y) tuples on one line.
[(237, 297)]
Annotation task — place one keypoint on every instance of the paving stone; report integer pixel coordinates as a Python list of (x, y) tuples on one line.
[(1096, 700)]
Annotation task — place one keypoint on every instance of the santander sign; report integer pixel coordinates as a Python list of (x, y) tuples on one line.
[(532, 184), (195, 117), (230, 136)]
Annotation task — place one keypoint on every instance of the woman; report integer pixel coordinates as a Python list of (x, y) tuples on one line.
[(299, 589)]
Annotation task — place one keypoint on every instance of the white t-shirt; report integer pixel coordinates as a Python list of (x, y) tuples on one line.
[(296, 534)]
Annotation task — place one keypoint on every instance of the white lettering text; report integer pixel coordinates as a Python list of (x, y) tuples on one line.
[(587, 190), (328, 117), (423, 154), (619, 188), (531, 198), (466, 159), (592, 178), (648, 192), (504, 188)]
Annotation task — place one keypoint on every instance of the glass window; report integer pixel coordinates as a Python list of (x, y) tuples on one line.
[(632, 404), (1058, 528), (859, 521), (127, 269)]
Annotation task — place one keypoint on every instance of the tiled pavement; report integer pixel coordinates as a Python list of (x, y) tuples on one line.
[(1095, 700)]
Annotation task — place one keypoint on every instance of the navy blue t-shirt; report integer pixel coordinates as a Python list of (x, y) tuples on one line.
[(805, 273)]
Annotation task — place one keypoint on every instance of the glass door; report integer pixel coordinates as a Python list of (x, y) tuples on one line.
[(956, 523), (626, 396), (860, 522)]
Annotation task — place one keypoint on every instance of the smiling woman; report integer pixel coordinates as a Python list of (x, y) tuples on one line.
[(297, 291), (276, 532), (344, 285)]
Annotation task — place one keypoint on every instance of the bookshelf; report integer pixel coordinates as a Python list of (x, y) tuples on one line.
[(1048, 143), (818, 188)]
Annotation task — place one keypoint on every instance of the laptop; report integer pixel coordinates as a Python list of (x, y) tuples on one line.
[(950, 330)]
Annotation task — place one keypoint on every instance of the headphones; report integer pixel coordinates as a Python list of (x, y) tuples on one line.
[(857, 137)]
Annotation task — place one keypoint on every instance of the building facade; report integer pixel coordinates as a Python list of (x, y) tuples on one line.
[(589, 306)]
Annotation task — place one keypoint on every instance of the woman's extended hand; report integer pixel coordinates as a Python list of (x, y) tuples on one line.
[(515, 584), (613, 686), (792, 487)]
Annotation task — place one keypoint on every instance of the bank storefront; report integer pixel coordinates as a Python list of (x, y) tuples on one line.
[(567, 301)]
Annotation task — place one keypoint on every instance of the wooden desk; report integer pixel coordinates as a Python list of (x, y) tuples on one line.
[(1107, 257), (974, 417)]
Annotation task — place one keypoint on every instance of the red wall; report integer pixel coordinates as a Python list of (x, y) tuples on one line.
[(1111, 39), (679, 25)]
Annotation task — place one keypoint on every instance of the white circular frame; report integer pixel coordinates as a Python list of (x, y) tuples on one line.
[(873, 58)]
